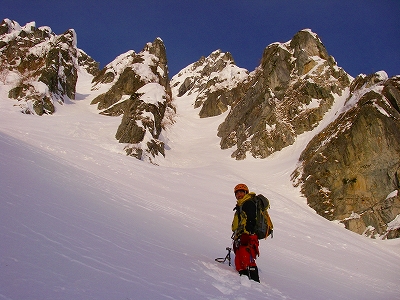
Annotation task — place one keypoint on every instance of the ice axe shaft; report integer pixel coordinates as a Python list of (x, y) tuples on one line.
[(226, 258)]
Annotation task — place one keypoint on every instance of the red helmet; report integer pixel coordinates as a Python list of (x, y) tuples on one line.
[(241, 186)]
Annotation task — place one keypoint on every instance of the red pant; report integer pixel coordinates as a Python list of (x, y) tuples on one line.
[(246, 251)]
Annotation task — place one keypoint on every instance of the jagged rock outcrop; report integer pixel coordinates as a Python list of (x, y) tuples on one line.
[(350, 171), (140, 91), (288, 94), (40, 65), (88, 63), (41, 68), (215, 80)]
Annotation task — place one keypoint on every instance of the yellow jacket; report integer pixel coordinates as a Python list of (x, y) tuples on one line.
[(239, 222)]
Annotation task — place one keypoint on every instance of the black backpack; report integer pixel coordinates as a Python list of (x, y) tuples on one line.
[(264, 226)]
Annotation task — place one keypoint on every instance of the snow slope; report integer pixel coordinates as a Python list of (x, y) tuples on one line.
[(80, 220)]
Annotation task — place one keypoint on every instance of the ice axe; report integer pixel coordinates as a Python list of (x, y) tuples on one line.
[(227, 257)]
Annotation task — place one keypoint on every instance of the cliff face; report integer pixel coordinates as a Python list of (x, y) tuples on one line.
[(350, 171), (288, 94)]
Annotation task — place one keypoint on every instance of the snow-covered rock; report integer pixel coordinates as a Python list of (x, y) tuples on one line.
[(137, 87), (38, 66), (215, 81)]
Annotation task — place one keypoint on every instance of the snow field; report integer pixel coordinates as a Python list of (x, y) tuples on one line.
[(80, 220)]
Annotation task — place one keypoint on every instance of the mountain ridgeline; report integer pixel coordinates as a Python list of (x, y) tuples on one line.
[(350, 169)]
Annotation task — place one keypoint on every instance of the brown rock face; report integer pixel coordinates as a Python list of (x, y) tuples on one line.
[(350, 171), (287, 95)]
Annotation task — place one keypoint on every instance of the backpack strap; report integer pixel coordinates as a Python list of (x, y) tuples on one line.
[(239, 230)]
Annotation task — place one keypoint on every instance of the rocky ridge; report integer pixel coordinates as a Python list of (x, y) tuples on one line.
[(288, 94), (41, 69), (348, 172)]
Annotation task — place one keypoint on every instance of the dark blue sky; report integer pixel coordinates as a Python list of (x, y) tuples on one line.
[(362, 35)]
